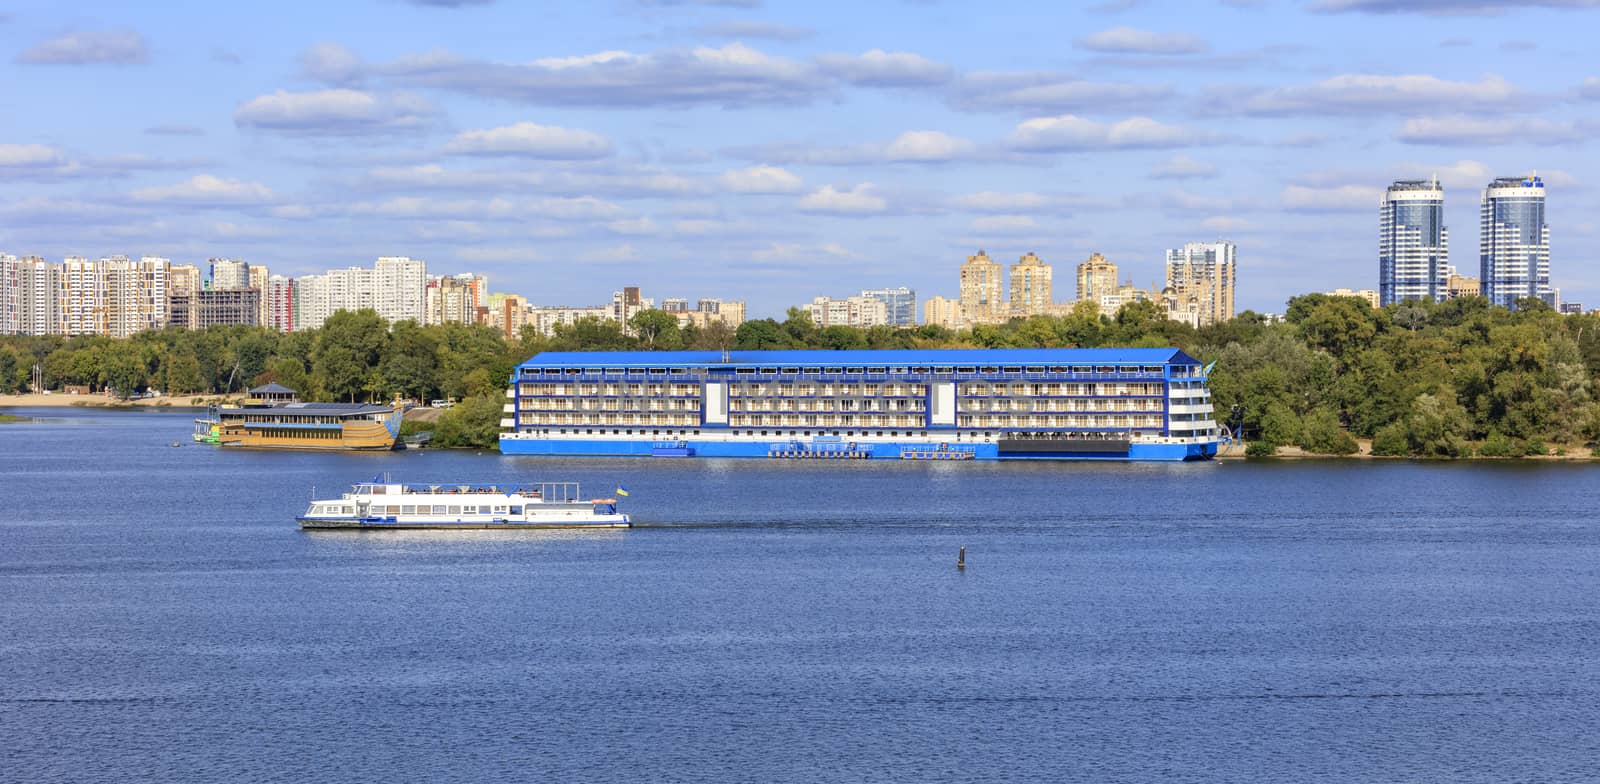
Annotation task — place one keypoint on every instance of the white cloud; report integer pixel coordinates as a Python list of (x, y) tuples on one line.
[(112, 47), (1069, 132), (908, 147), (859, 200), (1050, 92), (331, 63), (1224, 224), (750, 28), (206, 190), (1182, 167), (795, 251), (1590, 88), (761, 179), (1005, 224), (29, 156), (877, 68), (612, 255), (532, 140), (1444, 7), (733, 74), (996, 201), (335, 112), (499, 254), (1374, 94), (1461, 129), (1344, 198), (634, 227), (1129, 40), (927, 146)]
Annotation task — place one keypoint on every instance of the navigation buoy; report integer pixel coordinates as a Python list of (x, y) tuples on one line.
[(961, 559)]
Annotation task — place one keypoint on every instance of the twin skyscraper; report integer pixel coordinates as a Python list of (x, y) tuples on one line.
[(1513, 243)]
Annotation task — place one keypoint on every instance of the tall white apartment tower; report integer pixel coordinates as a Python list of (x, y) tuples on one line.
[(1413, 243), (39, 302), (1514, 242), (1201, 277), (11, 295), (399, 288)]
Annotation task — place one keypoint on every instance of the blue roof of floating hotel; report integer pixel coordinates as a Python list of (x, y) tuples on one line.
[(954, 356)]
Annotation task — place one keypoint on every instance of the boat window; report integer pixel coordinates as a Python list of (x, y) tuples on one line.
[(516, 510), (499, 510), (1013, 370), (408, 510), (455, 510), (469, 510)]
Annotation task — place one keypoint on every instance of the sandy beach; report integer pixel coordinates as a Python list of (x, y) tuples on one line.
[(59, 400)]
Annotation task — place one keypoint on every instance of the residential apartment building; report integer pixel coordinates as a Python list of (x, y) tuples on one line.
[(398, 285), (39, 297), (457, 299), (1514, 242), (848, 312), (546, 319), (1204, 271), (10, 294), (216, 308), (708, 311), (1462, 286), (184, 279), (1413, 243), (943, 312), (229, 274), (982, 290), (278, 297), (1096, 277), (1370, 296), (1030, 287)]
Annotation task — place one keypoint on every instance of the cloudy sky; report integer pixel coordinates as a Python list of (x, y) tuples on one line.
[(773, 151)]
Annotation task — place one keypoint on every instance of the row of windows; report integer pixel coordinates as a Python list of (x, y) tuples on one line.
[(884, 370)]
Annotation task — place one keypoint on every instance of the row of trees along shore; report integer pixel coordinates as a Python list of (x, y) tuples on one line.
[(1449, 379)]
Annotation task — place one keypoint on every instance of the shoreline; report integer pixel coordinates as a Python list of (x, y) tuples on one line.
[(1570, 453), (59, 400)]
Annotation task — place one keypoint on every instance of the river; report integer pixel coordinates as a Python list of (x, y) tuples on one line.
[(163, 619)]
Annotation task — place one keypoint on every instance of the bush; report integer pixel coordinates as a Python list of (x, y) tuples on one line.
[(1322, 435), (1497, 445), (1535, 446), (1391, 440), (1260, 449), (474, 422)]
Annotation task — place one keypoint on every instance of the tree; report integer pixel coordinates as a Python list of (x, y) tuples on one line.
[(474, 422), (411, 362), (124, 374), (657, 329), (183, 374), (758, 335), (350, 344)]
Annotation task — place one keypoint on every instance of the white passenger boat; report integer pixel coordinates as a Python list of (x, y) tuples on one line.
[(378, 505)]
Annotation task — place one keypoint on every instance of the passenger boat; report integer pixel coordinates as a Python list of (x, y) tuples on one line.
[(273, 418), (387, 505)]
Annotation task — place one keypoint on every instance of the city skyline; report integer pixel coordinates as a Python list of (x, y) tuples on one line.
[(754, 147)]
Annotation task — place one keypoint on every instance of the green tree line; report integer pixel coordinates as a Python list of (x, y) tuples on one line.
[(1430, 379)]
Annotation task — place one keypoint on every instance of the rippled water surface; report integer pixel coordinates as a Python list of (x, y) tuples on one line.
[(162, 619)]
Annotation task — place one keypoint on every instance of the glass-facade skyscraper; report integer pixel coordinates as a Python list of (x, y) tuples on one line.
[(1413, 243), (1514, 242), (901, 304)]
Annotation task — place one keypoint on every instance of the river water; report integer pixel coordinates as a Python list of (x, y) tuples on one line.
[(163, 619)]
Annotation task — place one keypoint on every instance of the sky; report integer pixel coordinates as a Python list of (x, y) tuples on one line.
[(775, 151)]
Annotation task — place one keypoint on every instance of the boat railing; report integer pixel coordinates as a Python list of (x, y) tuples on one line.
[(554, 492)]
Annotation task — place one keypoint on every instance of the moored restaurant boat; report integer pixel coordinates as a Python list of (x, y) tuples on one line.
[(274, 418), (387, 505)]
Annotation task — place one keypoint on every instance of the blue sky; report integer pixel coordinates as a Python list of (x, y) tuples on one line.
[(774, 151)]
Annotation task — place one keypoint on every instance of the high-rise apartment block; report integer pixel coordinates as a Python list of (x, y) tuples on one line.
[(1030, 287), (1201, 278), (1096, 277), (1413, 243), (457, 299), (982, 289), (278, 301), (1514, 242), (943, 312), (398, 289), (1457, 286), (184, 279), (10, 293), (229, 274)]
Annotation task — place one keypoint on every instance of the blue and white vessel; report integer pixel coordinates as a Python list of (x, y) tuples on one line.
[(386, 505), (958, 404)]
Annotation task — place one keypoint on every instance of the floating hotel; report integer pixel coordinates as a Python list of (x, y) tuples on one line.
[(274, 418), (961, 404)]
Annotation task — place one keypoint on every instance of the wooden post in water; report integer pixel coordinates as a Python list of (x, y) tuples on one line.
[(961, 559)]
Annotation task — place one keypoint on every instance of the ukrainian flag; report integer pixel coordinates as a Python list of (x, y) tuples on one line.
[(622, 490)]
